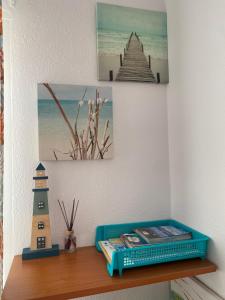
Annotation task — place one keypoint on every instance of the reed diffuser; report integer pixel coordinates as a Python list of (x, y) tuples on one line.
[(70, 239)]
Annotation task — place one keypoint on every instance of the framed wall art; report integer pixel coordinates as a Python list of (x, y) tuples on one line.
[(131, 44), (75, 122)]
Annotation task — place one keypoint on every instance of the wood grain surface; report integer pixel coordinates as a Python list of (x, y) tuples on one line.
[(84, 273)]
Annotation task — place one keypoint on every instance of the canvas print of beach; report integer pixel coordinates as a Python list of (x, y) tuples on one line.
[(75, 122), (131, 44)]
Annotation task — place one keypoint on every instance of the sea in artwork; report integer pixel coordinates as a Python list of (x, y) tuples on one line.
[(111, 43), (55, 137)]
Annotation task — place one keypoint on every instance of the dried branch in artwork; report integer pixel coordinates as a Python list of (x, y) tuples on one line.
[(56, 158), (78, 111), (61, 109), (85, 141)]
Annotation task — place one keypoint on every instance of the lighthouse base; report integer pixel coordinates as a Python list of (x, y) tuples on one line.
[(31, 254)]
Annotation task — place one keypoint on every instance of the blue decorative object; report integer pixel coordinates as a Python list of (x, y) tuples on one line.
[(41, 241), (151, 254), (31, 254), (40, 167)]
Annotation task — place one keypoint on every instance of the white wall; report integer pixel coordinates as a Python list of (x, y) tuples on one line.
[(55, 41), (196, 106)]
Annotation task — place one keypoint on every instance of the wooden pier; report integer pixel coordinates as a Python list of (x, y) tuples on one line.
[(134, 65)]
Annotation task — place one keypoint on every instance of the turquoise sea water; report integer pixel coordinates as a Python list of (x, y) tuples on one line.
[(53, 131), (113, 43)]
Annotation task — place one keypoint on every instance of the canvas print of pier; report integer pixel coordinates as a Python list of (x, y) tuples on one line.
[(131, 44), (75, 122)]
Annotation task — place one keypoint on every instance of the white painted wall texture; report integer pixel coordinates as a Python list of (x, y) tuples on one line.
[(55, 41), (196, 106)]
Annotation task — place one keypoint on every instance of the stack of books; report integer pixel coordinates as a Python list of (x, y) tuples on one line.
[(143, 237), (110, 246)]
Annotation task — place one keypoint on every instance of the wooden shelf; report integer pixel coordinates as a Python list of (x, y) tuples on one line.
[(83, 273)]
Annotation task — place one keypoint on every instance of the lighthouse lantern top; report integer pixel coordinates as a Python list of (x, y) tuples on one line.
[(40, 170)]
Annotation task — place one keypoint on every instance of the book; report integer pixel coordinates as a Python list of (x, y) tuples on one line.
[(162, 234), (132, 240), (118, 244), (176, 233), (108, 247)]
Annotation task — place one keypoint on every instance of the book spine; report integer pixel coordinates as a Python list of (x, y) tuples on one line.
[(107, 255)]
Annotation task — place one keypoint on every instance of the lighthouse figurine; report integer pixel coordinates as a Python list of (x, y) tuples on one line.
[(41, 241)]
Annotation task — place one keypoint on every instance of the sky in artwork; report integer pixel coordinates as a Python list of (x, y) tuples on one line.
[(126, 19), (73, 92)]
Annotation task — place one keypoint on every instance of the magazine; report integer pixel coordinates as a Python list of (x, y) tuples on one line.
[(118, 244), (163, 234), (132, 240)]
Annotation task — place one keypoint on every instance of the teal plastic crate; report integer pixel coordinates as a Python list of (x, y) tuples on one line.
[(151, 254)]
